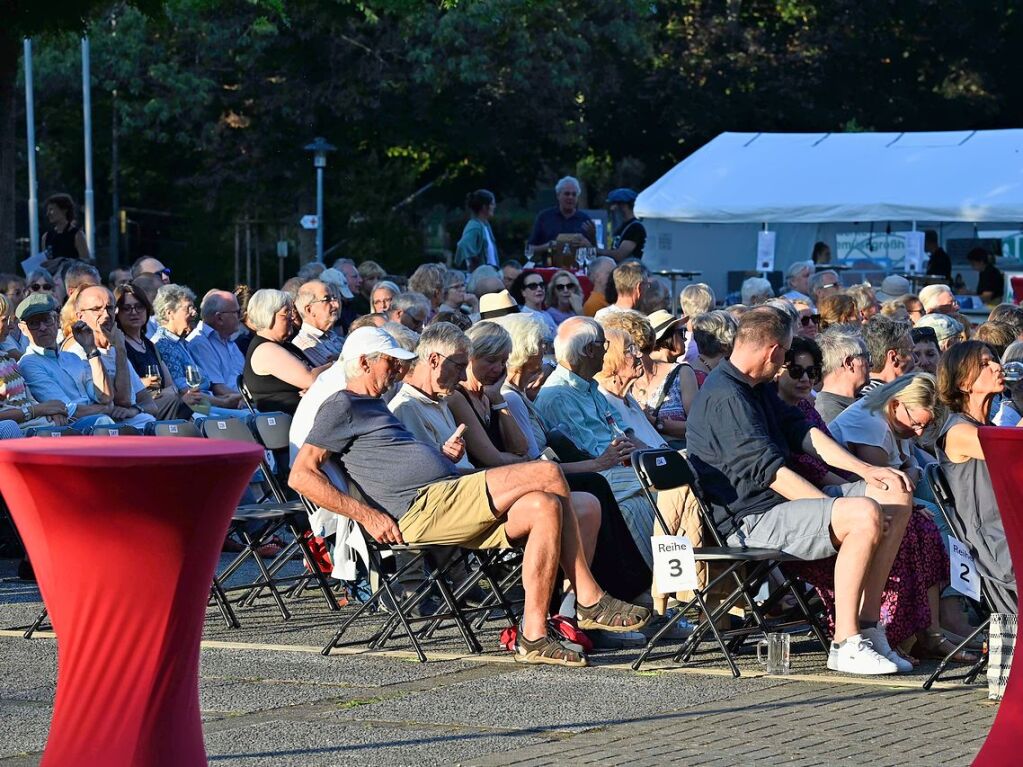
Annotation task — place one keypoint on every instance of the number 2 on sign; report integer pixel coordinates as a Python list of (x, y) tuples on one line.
[(962, 569), (674, 563)]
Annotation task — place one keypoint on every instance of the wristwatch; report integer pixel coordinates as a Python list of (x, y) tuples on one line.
[(659, 425), (93, 354), (26, 411)]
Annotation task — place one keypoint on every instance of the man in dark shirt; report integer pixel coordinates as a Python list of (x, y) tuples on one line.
[(629, 233), (991, 282), (939, 261), (416, 495), (563, 218), (740, 436)]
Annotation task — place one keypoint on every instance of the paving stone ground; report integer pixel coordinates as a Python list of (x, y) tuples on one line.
[(269, 698)]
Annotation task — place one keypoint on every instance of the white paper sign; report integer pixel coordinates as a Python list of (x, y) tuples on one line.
[(962, 569), (765, 251), (674, 563), (914, 252)]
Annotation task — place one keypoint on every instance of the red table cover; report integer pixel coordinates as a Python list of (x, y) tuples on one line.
[(124, 534), (1002, 447)]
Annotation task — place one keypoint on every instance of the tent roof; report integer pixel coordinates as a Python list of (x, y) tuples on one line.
[(842, 177)]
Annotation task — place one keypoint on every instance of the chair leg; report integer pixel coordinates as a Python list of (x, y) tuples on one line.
[(220, 597), (267, 579), (317, 575), (948, 658), (445, 591), (36, 624)]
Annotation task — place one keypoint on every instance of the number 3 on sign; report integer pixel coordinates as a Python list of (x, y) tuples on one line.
[(674, 563), (962, 569)]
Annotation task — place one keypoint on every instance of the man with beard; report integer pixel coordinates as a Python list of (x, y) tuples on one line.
[(318, 307)]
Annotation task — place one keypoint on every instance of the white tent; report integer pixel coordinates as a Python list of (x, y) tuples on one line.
[(704, 212)]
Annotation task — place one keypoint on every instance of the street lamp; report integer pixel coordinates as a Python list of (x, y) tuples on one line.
[(319, 148)]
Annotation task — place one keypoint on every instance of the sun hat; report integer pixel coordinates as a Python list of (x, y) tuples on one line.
[(662, 321), (497, 305), (893, 286)]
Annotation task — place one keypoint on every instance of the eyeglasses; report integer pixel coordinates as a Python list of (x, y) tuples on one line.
[(37, 322), (456, 362), (796, 372), (831, 285), (914, 425), (631, 351), (532, 285), (35, 287), (235, 312), (165, 270), (132, 308), (806, 319), (327, 300), (565, 286)]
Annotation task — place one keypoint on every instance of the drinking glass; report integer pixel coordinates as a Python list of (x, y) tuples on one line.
[(193, 376), (778, 649), (153, 371), (527, 253)]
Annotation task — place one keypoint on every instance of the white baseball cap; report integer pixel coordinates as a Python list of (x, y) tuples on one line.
[(367, 340), (337, 278)]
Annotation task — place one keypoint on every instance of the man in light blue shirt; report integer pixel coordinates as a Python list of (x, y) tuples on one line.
[(211, 345)]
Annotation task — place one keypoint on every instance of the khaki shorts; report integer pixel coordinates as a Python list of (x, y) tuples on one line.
[(456, 512)]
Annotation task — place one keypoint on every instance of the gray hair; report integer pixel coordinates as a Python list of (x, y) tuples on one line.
[(264, 304), (786, 306), (481, 272), (756, 287), (574, 335), (838, 343), (928, 293), (339, 262), (881, 335), (797, 268), (306, 295), (352, 367), (863, 295), (214, 301), (656, 295), (409, 300), (387, 285), (820, 278), (1013, 352), (168, 299), (563, 182), (488, 339), (406, 338), (441, 337), (428, 279), (714, 332), (696, 299), (529, 334), (79, 269), (311, 271), (38, 273)]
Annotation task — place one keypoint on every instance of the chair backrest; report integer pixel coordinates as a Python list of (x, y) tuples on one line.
[(273, 429), (53, 431), (114, 430), (234, 429), (177, 428), (246, 395), (943, 498)]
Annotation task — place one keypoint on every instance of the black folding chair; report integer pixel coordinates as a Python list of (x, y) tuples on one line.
[(664, 469), (247, 399), (53, 431), (175, 428), (401, 606), (112, 430), (945, 501)]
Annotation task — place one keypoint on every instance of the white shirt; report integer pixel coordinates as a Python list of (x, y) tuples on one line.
[(1007, 414), (611, 309), (866, 427), (631, 414), (319, 346), (429, 420)]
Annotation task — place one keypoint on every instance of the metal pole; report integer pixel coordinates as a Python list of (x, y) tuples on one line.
[(237, 253), (248, 252), (319, 215), (30, 131), (90, 209), (115, 192)]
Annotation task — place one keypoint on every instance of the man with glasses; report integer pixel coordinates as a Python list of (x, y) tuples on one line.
[(212, 344), (82, 385), (150, 265), (319, 308), (891, 350), (846, 370), (824, 284)]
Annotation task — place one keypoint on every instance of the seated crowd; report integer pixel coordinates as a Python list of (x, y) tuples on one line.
[(505, 404)]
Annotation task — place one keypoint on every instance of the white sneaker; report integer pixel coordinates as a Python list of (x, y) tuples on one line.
[(879, 639), (856, 655)]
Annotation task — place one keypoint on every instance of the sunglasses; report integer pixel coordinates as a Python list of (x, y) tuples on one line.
[(806, 319), (796, 372), (35, 287), (532, 285), (565, 286)]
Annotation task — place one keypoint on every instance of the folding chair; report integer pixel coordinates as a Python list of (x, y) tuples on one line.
[(945, 501), (247, 399), (273, 512), (53, 431), (112, 430), (664, 469), (389, 593), (175, 428)]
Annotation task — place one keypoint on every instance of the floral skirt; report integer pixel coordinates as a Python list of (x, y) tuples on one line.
[(920, 563)]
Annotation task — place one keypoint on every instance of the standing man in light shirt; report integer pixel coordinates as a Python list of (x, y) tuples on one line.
[(319, 308), (211, 345)]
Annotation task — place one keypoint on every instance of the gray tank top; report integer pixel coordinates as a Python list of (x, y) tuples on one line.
[(977, 507)]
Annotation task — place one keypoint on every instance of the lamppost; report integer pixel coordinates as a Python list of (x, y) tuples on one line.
[(319, 148)]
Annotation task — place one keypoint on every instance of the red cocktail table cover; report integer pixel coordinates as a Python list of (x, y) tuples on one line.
[(1002, 448), (124, 534)]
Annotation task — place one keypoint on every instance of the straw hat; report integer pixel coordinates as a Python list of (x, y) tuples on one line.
[(497, 305), (662, 322)]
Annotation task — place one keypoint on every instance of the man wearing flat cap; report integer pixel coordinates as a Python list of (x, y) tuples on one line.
[(629, 233)]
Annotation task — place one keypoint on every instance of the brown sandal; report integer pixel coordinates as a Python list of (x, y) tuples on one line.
[(610, 614), (937, 646), (548, 651)]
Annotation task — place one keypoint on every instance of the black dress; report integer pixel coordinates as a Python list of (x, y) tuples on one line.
[(169, 406), (270, 393), (62, 244)]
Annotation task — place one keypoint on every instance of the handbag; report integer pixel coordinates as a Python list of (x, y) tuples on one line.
[(1002, 642)]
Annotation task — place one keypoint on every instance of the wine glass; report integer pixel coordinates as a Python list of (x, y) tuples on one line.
[(193, 377), (580, 259), (153, 371)]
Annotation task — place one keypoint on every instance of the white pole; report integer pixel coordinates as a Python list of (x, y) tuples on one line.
[(319, 213), (30, 131), (90, 209)]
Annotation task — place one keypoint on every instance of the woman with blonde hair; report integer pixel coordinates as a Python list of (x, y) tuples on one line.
[(837, 309), (666, 387), (623, 364), (564, 296)]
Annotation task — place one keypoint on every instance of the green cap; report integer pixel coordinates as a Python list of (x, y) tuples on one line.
[(37, 303)]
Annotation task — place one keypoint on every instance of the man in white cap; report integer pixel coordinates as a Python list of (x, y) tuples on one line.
[(418, 496), (337, 280)]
